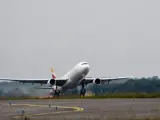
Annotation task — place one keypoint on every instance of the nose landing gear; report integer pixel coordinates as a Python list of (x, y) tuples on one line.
[(83, 90)]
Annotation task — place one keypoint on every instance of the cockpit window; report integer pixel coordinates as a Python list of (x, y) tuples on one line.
[(84, 63)]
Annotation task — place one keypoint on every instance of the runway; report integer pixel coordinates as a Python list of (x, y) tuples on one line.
[(78, 109)]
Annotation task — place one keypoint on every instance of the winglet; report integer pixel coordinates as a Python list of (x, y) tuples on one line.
[(53, 74)]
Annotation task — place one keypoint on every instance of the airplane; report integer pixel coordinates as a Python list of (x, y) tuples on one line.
[(72, 79)]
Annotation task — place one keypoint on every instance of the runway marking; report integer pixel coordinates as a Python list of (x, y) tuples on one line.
[(75, 109)]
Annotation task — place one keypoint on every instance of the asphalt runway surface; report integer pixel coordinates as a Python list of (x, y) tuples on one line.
[(80, 109)]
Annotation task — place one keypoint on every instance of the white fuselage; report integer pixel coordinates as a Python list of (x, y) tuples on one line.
[(75, 75)]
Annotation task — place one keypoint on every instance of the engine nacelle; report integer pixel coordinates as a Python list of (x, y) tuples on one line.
[(51, 82), (97, 81)]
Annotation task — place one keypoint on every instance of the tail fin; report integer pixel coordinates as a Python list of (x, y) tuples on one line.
[(53, 74)]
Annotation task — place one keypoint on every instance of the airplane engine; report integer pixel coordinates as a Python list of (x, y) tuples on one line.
[(51, 82), (97, 81)]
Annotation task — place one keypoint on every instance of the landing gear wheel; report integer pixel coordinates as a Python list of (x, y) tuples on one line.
[(83, 92), (56, 92)]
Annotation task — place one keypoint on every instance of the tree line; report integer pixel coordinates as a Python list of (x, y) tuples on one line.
[(137, 85)]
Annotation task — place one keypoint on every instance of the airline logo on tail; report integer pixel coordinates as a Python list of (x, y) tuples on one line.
[(53, 74)]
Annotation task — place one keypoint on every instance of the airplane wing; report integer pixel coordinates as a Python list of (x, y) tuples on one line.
[(43, 87), (59, 82), (102, 80), (42, 81)]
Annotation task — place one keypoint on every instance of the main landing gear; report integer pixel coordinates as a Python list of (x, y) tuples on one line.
[(83, 90), (55, 92)]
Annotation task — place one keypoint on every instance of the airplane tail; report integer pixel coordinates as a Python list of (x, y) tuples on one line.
[(53, 74)]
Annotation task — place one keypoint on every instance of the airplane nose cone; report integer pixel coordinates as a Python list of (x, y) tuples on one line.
[(86, 69)]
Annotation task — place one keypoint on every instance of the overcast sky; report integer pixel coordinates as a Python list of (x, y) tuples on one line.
[(116, 37)]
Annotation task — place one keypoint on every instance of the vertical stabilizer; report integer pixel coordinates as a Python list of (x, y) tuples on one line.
[(53, 74)]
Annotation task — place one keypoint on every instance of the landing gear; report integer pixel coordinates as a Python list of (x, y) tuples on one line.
[(56, 92), (83, 90)]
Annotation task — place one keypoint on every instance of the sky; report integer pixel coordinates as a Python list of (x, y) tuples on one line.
[(116, 37)]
